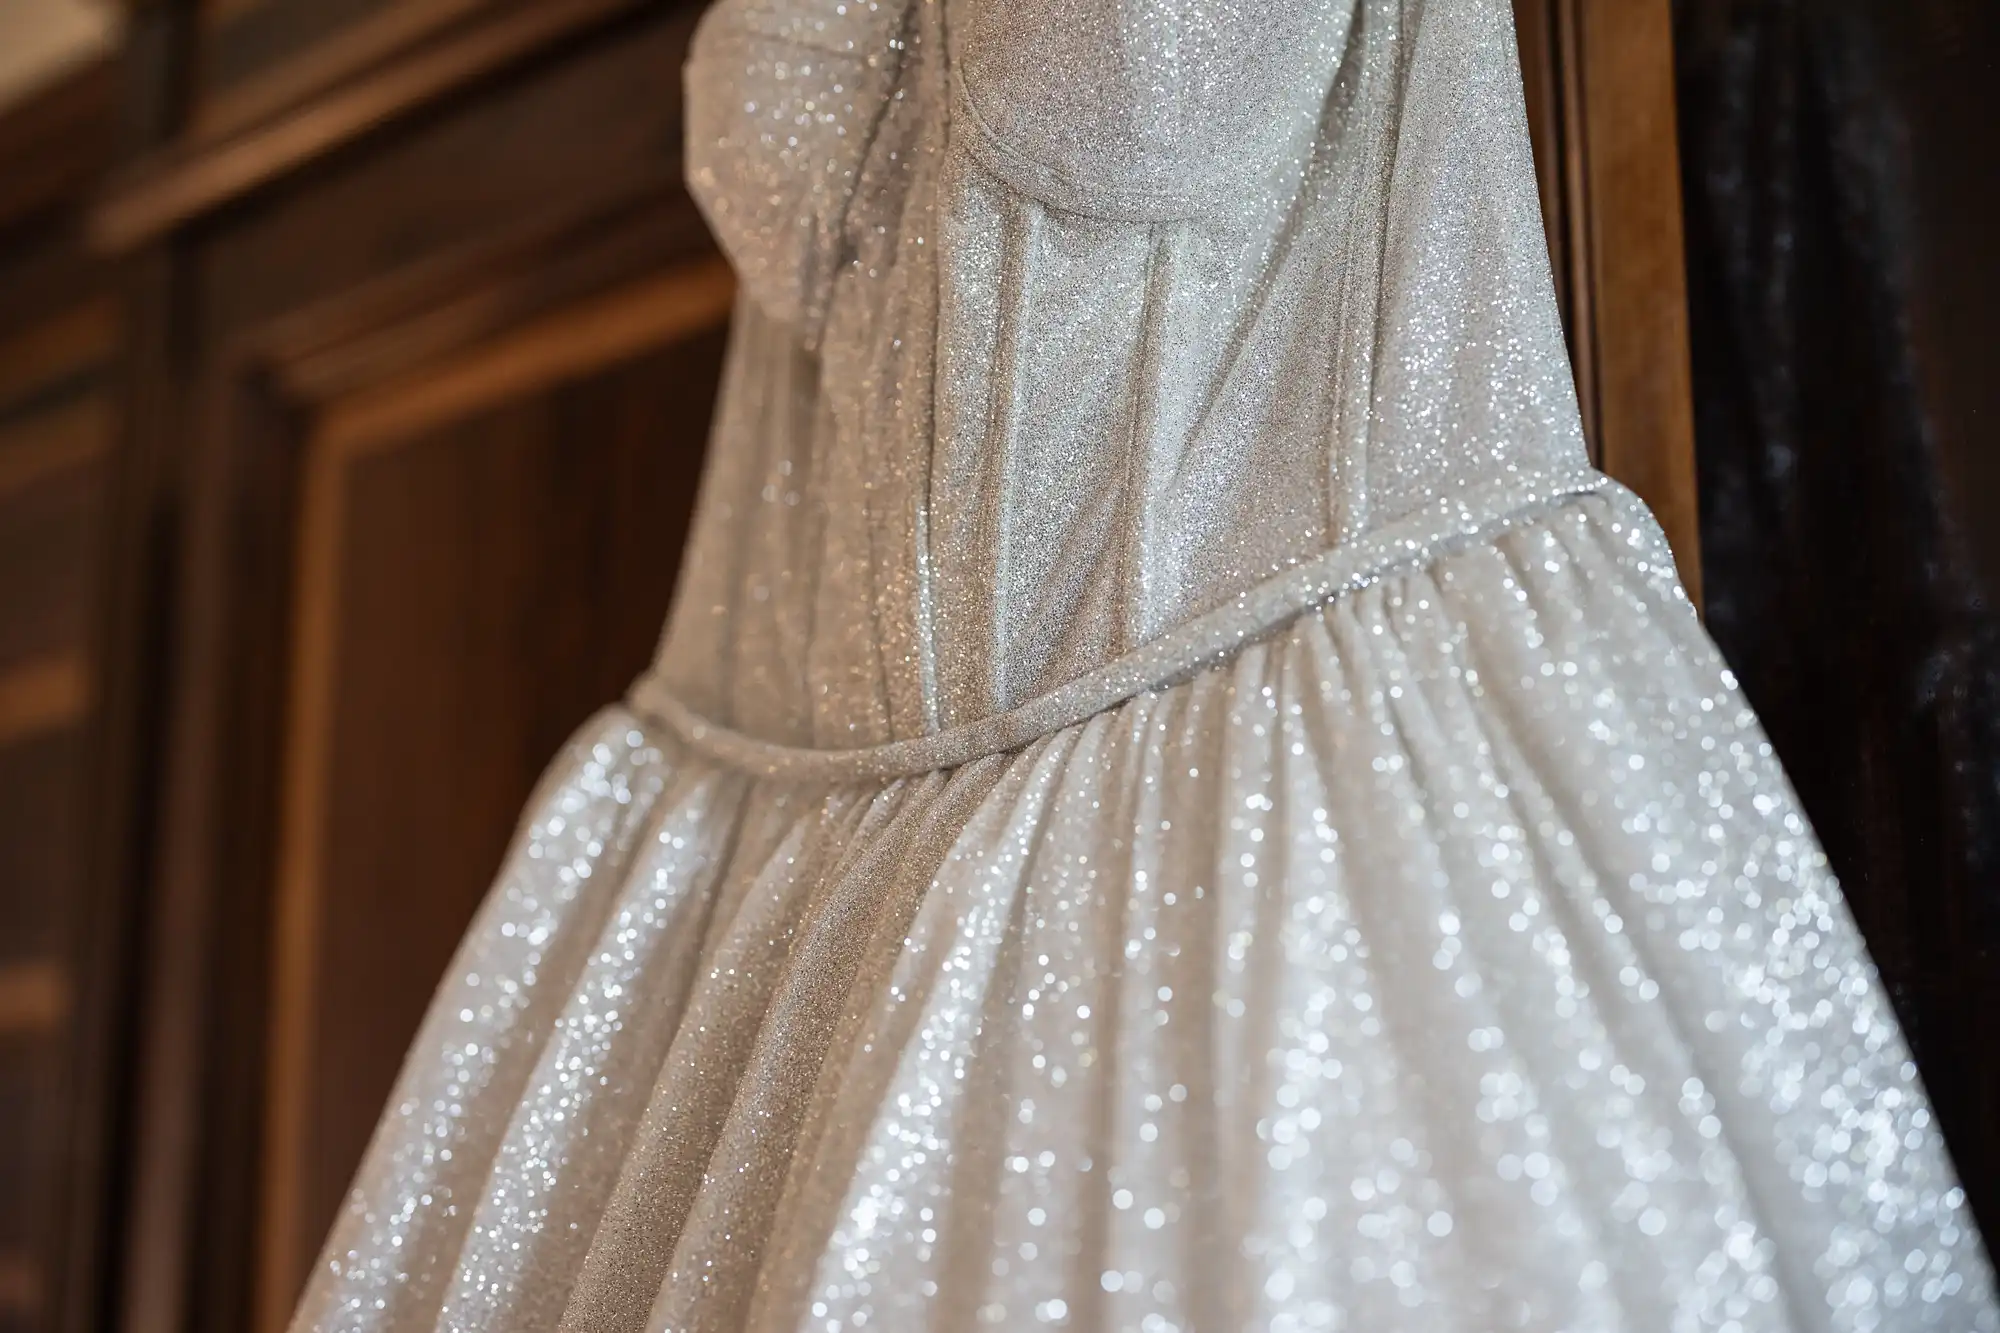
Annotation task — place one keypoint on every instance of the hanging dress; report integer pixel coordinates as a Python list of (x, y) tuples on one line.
[(1172, 797)]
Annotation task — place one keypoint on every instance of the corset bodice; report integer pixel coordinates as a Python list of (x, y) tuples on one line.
[(1069, 323)]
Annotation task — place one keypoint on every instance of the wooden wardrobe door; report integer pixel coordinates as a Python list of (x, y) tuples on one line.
[(1599, 76)]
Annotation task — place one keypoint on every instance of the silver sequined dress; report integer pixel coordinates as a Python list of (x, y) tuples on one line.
[(1172, 799)]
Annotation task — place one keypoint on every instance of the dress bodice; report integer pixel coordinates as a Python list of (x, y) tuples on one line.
[(1076, 321)]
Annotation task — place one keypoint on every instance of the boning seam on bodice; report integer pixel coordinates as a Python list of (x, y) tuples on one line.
[(1205, 640)]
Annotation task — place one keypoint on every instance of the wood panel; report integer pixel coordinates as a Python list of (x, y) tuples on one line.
[(414, 192), (61, 339), (240, 39), (322, 101), (1599, 79), (579, 139), (469, 591), (439, 495), (289, 65)]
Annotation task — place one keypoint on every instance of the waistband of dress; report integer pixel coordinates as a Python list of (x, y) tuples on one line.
[(1204, 641)]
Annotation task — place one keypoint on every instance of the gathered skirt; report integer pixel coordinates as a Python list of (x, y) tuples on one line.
[(1454, 957)]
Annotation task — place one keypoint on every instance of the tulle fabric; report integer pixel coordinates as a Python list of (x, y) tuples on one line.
[(1453, 959)]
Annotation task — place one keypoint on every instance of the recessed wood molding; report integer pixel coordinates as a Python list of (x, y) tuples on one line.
[(622, 323), (1601, 102), (34, 998), (43, 696), (531, 266), (328, 98), (349, 53)]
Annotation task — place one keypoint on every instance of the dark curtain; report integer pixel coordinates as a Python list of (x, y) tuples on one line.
[(1842, 169)]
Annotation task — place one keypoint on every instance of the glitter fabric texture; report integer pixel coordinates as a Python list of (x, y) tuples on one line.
[(1172, 799)]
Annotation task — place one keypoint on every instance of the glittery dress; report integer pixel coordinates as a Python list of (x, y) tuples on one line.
[(1172, 797)]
